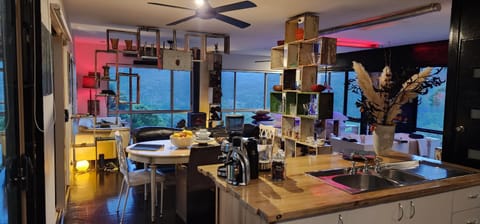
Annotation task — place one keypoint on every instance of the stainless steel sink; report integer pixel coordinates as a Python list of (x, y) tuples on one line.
[(392, 175), (356, 183), (400, 176), (436, 171)]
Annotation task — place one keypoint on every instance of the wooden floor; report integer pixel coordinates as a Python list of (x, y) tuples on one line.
[(93, 198)]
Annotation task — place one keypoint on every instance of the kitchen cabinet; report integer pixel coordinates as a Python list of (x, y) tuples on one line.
[(300, 197), (430, 209), (231, 210), (466, 206)]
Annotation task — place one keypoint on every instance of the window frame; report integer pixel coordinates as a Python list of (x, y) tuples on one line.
[(361, 120), (171, 111), (266, 91)]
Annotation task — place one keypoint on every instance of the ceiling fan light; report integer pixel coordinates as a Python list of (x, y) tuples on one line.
[(199, 3)]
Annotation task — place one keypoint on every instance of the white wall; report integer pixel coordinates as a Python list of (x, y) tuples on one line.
[(245, 62), (49, 135)]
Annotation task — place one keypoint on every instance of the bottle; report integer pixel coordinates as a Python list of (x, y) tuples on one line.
[(278, 166)]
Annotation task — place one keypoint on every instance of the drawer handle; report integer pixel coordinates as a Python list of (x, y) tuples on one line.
[(400, 209), (412, 210), (472, 221), (473, 196)]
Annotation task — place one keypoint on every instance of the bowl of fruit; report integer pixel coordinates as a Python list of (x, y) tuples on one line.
[(182, 139)]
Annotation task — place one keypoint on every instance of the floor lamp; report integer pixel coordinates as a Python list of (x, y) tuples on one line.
[(93, 105)]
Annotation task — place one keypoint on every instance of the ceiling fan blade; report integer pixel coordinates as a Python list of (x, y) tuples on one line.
[(235, 6), (171, 6), (232, 21), (181, 20)]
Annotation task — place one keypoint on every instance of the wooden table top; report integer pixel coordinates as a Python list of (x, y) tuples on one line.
[(302, 195)]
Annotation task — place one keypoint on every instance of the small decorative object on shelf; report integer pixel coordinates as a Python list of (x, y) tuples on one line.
[(318, 88), (106, 71), (128, 45), (277, 87), (114, 42)]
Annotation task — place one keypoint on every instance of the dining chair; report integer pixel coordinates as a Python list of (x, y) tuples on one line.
[(134, 178), (193, 187)]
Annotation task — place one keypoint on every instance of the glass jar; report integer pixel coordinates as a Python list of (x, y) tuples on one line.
[(278, 166)]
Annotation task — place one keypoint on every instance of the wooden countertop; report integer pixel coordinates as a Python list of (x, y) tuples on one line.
[(301, 195)]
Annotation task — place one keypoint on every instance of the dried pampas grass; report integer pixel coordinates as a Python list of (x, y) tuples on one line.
[(382, 106)]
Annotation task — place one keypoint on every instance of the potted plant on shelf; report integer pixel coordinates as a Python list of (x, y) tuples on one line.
[(382, 102)]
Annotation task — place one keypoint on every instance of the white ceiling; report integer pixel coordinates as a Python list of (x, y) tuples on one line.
[(89, 19)]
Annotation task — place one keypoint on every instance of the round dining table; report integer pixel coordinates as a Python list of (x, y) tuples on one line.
[(154, 153)]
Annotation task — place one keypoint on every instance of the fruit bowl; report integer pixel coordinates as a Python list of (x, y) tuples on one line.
[(182, 139), (181, 142)]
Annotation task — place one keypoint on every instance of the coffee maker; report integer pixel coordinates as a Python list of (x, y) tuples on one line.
[(248, 150)]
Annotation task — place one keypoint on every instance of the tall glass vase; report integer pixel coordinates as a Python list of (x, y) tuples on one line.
[(383, 138)]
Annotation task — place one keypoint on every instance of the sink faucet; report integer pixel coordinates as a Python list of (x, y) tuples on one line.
[(378, 164), (354, 168), (365, 163)]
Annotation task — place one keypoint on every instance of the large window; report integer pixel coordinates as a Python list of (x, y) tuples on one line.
[(245, 92), (432, 107), (164, 96), (338, 84)]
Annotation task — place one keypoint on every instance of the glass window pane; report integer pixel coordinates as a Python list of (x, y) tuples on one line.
[(155, 91), (352, 110), (181, 90), (432, 105), (337, 83), (247, 116), (227, 90), (149, 119), (178, 117), (250, 90), (272, 79)]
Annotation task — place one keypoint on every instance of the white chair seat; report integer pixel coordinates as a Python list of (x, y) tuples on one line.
[(134, 178), (140, 177)]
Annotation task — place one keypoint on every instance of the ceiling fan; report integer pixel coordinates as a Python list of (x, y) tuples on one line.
[(206, 11)]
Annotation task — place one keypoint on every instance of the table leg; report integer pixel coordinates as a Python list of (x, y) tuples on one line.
[(153, 189)]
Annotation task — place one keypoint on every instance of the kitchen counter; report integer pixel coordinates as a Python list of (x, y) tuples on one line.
[(302, 195)]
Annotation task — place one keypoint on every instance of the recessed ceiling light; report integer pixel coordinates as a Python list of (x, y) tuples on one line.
[(199, 2)]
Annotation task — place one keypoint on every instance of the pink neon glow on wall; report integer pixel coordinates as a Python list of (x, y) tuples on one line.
[(85, 62), (345, 42)]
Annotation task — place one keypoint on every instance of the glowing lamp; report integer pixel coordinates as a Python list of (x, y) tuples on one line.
[(82, 165), (89, 82)]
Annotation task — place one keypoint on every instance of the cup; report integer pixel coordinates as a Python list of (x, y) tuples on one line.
[(114, 42), (203, 134), (128, 45)]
